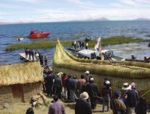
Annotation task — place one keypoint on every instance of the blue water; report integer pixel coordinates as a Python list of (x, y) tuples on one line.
[(71, 30)]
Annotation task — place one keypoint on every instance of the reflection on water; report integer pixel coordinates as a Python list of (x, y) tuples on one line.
[(126, 50)]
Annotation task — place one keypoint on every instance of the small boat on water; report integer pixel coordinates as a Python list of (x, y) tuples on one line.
[(34, 34), (117, 71), (92, 54), (28, 58)]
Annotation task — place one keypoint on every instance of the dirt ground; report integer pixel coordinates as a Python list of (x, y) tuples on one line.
[(20, 108)]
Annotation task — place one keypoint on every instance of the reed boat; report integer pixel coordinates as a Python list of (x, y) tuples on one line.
[(117, 72)]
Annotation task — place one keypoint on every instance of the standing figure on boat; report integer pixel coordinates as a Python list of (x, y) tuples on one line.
[(86, 45), (26, 53), (149, 44), (45, 61)]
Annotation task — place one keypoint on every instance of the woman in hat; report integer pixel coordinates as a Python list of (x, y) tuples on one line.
[(82, 105)]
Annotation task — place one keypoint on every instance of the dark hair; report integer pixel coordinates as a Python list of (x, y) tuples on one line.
[(30, 111), (117, 94), (55, 97), (82, 76)]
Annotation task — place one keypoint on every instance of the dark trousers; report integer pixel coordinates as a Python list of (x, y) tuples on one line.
[(93, 102)]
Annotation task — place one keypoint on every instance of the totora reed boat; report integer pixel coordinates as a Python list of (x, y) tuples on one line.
[(117, 72)]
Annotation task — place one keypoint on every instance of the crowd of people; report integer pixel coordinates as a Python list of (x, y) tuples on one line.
[(85, 94)]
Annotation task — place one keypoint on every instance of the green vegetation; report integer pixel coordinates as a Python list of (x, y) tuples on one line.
[(116, 40), (51, 44), (36, 45)]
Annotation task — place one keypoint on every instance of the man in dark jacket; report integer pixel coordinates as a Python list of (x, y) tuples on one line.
[(141, 107), (131, 100), (106, 94), (92, 90), (72, 86), (58, 85), (82, 105)]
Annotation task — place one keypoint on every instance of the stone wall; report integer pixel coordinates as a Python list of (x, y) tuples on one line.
[(5, 95), (31, 89)]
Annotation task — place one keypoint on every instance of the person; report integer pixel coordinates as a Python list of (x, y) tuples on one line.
[(117, 105), (26, 53), (57, 86), (92, 90), (141, 107), (149, 44), (87, 75), (86, 45), (41, 57), (64, 84), (56, 107), (82, 105), (36, 55), (131, 100), (45, 61), (30, 111), (31, 55), (125, 88), (133, 57), (75, 44), (106, 94), (97, 53), (72, 86), (48, 79), (81, 83)]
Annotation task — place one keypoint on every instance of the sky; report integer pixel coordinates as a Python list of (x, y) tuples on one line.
[(16, 11)]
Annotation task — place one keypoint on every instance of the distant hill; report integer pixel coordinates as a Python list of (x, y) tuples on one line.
[(98, 19), (142, 19)]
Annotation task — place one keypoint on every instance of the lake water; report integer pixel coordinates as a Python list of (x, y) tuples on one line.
[(73, 30)]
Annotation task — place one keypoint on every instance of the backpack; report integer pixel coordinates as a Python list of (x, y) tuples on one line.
[(118, 105)]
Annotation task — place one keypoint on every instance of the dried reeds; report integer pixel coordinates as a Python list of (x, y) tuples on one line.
[(20, 73)]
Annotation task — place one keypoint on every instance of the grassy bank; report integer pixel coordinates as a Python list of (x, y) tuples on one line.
[(51, 44)]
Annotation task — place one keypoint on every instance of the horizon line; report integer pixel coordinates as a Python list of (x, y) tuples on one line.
[(105, 19)]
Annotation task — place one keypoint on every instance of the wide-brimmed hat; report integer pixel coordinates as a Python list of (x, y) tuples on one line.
[(84, 96), (60, 74), (50, 68), (107, 82), (87, 72), (92, 79), (126, 86)]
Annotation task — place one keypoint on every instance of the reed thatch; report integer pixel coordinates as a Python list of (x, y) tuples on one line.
[(20, 73)]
